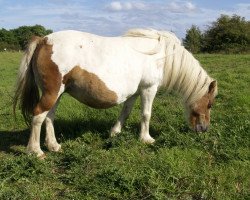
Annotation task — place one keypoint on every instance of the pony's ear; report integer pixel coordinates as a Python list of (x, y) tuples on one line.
[(212, 87)]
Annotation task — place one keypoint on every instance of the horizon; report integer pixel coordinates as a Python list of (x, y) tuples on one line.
[(111, 18)]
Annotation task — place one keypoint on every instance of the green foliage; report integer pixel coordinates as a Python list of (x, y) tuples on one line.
[(8, 40), (228, 34), (24, 33), (180, 165), (193, 39), (18, 38)]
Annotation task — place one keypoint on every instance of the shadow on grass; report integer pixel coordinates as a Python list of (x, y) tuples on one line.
[(76, 128), (10, 139), (71, 129), (65, 130)]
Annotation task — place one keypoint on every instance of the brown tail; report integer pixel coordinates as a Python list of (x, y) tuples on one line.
[(26, 92)]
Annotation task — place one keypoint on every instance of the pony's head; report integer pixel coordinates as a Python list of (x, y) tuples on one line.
[(199, 111)]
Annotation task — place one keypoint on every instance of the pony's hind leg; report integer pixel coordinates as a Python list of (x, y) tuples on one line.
[(44, 106), (49, 78), (40, 112), (147, 97), (50, 139), (34, 141), (126, 110)]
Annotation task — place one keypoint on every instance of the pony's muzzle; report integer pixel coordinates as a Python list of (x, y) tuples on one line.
[(201, 128)]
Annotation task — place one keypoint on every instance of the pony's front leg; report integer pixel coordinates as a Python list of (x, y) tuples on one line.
[(126, 110), (147, 97), (34, 141)]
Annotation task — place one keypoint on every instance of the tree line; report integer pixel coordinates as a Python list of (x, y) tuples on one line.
[(17, 39), (228, 34)]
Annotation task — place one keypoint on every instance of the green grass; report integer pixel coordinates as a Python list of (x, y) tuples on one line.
[(180, 165)]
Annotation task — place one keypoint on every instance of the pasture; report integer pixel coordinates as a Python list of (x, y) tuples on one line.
[(180, 165)]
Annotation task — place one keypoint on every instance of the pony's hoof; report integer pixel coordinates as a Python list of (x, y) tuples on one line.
[(38, 152), (148, 140), (114, 132), (55, 147), (41, 157)]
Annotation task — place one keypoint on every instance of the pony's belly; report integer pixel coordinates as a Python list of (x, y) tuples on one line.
[(90, 98), (89, 89)]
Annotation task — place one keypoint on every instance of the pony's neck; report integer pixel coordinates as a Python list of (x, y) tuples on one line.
[(183, 73)]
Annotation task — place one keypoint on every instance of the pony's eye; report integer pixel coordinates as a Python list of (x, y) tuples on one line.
[(194, 113)]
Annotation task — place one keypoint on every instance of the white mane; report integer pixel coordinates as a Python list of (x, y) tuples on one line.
[(182, 71)]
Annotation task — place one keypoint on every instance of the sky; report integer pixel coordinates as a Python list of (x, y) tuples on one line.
[(111, 18)]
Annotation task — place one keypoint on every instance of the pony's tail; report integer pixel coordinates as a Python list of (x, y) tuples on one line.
[(26, 91)]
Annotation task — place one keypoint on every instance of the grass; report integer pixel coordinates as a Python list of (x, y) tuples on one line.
[(180, 165)]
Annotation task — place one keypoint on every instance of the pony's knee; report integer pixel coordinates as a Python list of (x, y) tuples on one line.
[(146, 116)]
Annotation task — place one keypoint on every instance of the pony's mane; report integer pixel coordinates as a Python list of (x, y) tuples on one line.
[(152, 34), (182, 71), (161, 36)]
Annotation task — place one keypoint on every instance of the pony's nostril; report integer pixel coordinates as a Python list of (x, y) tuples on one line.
[(205, 128), (200, 128)]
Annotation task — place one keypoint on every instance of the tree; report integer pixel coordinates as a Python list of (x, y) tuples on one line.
[(24, 33), (8, 40), (193, 39), (18, 38), (228, 34)]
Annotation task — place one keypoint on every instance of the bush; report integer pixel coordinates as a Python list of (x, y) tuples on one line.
[(193, 39), (17, 39), (228, 34)]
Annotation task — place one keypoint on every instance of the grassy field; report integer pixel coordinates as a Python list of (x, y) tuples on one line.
[(180, 165)]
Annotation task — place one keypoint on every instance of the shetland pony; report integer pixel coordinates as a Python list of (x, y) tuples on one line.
[(102, 72)]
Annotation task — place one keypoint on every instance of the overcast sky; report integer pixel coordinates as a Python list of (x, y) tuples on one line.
[(110, 18)]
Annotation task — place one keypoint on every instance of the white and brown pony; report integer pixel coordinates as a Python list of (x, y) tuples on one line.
[(106, 71)]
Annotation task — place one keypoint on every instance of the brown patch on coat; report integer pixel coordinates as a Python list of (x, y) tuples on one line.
[(200, 113), (48, 76), (200, 110), (88, 88)]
